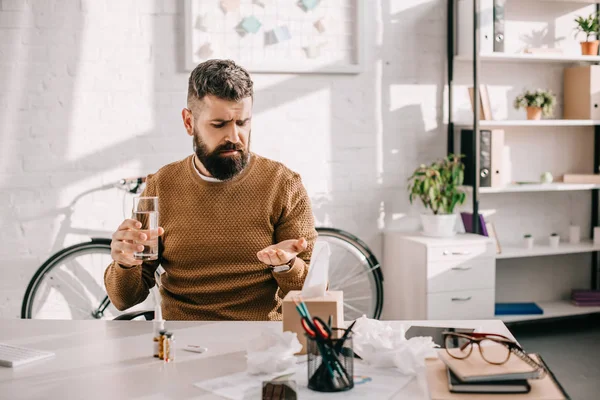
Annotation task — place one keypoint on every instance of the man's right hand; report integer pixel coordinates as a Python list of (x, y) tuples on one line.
[(127, 240)]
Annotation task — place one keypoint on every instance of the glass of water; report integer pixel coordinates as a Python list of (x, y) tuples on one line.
[(145, 210)]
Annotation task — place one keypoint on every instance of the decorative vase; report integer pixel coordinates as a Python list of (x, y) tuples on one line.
[(439, 225), (534, 113), (590, 48), (554, 241), (528, 242)]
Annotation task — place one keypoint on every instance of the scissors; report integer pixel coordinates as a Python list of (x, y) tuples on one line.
[(317, 329), (320, 331)]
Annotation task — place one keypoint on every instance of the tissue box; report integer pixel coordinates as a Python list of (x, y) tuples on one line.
[(330, 304)]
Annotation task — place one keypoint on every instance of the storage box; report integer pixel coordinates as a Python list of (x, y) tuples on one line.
[(582, 92), (330, 304)]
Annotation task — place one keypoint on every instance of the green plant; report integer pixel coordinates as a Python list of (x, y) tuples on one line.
[(527, 236), (554, 234), (544, 99), (438, 185), (589, 26)]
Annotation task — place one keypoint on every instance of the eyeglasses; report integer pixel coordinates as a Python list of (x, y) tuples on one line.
[(494, 349)]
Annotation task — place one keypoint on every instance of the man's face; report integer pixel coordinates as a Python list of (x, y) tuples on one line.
[(221, 132)]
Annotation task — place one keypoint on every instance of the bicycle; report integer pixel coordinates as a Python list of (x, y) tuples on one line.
[(70, 284)]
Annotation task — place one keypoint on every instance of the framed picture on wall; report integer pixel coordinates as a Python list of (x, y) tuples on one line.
[(271, 36)]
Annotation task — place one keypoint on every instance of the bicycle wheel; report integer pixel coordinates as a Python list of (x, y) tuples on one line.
[(70, 285), (354, 270)]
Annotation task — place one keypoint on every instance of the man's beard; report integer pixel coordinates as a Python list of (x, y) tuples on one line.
[(220, 166)]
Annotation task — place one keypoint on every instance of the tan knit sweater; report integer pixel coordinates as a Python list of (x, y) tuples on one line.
[(213, 231)]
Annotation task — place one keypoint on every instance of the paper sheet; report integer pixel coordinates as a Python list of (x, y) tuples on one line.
[(372, 383)]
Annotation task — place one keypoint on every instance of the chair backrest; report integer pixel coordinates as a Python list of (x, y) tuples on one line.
[(148, 315)]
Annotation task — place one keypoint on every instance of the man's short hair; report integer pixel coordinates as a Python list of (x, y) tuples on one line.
[(221, 78)]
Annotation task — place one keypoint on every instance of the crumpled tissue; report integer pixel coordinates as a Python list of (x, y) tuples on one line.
[(379, 345), (272, 352)]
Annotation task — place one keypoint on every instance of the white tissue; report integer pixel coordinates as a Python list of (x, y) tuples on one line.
[(272, 352), (381, 346), (315, 283)]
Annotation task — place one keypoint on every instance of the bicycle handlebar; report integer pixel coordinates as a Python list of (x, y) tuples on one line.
[(131, 185)]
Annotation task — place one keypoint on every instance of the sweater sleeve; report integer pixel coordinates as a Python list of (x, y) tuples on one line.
[(128, 286), (296, 221)]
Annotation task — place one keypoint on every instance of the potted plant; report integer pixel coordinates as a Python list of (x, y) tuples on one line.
[(528, 239), (589, 26), (554, 240), (438, 188), (536, 103)]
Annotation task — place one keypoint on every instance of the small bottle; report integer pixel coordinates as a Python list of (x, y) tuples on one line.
[(158, 326), (161, 344), (169, 347)]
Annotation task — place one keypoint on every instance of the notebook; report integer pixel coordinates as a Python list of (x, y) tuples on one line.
[(546, 388), (475, 369), (517, 309), (455, 385)]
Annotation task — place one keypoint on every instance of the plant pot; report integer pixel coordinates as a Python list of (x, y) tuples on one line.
[(590, 48), (554, 241), (439, 225), (528, 242), (534, 113)]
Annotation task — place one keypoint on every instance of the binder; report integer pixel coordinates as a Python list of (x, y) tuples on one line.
[(465, 27)]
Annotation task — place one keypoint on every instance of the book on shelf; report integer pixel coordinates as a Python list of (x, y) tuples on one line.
[(475, 369), (518, 309), (589, 298), (467, 219), (440, 386), (485, 107), (582, 178)]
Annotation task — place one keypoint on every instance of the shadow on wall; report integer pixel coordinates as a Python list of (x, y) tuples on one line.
[(43, 62)]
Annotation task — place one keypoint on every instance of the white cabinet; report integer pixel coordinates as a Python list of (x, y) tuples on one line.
[(438, 278)]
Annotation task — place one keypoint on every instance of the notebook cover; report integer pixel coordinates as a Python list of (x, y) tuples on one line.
[(475, 369), (517, 309), (586, 303), (547, 388), (457, 386), (467, 219)]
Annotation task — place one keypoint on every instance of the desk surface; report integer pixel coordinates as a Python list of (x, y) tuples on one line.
[(113, 359)]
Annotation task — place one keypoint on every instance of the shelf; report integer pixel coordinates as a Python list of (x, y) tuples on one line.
[(516, 251), (538, 187), (552, 309), (529, 123), (522, 57)]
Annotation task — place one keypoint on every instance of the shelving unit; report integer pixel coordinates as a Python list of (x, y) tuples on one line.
[(524, 57), (529, 123), (553, 309), (556, 309), (516, 251), (537, 187)]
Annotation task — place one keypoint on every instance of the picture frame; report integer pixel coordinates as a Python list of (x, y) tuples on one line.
[(270, 57)]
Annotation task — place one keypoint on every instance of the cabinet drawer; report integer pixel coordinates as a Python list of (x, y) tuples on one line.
[(464, 304), (445, 276), (460, 252)]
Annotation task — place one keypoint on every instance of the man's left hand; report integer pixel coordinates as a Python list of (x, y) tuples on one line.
[(283, 252)]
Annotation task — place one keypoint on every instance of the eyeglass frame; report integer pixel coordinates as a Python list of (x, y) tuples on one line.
[(478, 337)]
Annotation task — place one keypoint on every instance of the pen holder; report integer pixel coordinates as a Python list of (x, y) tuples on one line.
[(328, 369)]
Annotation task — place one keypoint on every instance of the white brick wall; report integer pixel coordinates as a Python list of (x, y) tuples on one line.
[(91, 91)]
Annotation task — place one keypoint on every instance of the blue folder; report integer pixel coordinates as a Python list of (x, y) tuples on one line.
[(518, 309)]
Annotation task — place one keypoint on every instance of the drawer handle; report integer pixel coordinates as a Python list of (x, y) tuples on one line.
[(461, 298), (456, 253), (461, 268)]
